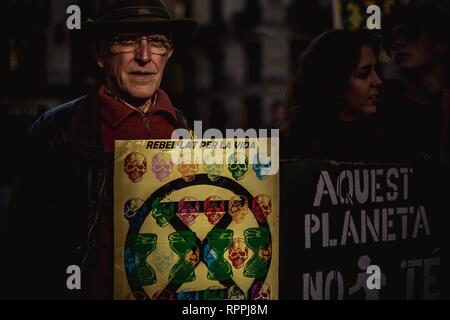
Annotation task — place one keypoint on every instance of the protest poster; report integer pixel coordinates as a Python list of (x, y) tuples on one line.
[(195, 229), (362, 231)]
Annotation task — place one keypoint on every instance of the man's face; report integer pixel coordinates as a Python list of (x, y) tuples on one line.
[(413, 49), (134, 65)]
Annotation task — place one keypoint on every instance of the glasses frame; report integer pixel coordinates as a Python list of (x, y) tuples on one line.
[(117, 43)]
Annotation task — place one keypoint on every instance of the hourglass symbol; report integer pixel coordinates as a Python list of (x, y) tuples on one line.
[(218, 242), (183, 243), (257, 239), (145, 244)]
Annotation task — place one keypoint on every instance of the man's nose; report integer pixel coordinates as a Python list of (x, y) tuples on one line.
[(143, 53)]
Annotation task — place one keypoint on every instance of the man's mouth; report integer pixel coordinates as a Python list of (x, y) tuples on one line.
[(141, 73), (141, 76)]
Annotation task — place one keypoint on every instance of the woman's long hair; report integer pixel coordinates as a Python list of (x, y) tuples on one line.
[(317, 90)]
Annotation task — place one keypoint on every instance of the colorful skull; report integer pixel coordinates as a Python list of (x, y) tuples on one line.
[(238, 165), (188, 209), (238, 208), (209, 255), (163, 211), (260, 291), (163, 295), (188, 171), (265, 252), (214, 170), (131, 207), (262, 207), (162, 259), (238, 253), (162, 166), (235, 293), (261, 169), (192, 257), (214, 208), (135, 166)]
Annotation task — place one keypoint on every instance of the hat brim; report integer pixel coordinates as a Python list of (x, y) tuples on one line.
[(178, 28)]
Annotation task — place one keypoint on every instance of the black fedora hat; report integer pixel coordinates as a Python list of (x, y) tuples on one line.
[(112, 16)]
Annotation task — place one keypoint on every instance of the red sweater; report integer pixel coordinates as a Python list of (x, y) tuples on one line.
[(122, 122), (119, 121)]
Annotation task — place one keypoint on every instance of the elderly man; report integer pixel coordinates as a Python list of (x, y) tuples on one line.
[(61, 212)]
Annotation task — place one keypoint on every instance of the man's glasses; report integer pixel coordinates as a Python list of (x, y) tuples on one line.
[(124, 43)]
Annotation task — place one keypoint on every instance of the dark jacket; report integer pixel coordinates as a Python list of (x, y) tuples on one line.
[(316, 137), (56, 214), (413, 126)]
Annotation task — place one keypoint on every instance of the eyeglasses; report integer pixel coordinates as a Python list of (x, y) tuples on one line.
[(125, 43)]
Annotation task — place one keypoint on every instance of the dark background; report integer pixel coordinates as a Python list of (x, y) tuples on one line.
[(237, 67)]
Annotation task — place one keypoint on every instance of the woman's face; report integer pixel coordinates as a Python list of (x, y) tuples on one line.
[(362, 93)]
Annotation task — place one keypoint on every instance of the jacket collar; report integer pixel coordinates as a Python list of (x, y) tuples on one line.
[(84, 126), (114, 111)]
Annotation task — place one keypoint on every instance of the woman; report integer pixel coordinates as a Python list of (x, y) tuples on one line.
[(333, 99)]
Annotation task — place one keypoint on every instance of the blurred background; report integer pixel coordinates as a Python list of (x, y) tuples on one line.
[(233, 75)]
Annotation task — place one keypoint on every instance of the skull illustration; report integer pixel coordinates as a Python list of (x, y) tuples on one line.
[(238, 208), (265, 252), (235, 293), (188, 171), (192, 257), (162, 259), (262, 207), (163, 295), (209, 255), (260, 291), (135, 166), (261, 169), (214, 170), (163, 211), (238, 253), (188, 209), (214, 208), (162, 166), (131, 207), (238, 165)]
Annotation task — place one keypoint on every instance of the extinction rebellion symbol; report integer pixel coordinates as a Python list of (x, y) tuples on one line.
[(193, 251)]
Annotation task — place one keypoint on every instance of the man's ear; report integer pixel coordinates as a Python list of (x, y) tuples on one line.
[(98, 53), (169, 54)]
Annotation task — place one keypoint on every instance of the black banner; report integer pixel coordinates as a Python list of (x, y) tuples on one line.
[(358, 231)]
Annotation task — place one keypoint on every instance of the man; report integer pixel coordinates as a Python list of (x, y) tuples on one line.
[(61, 212), (417, 39)]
